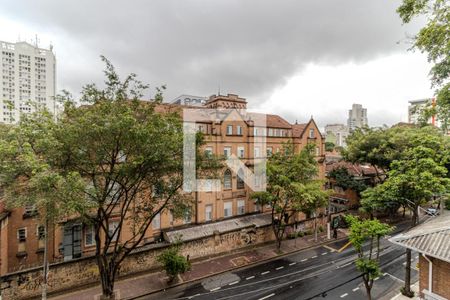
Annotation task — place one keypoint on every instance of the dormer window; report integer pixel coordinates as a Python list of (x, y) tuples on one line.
[(311, 133), (229, 129)]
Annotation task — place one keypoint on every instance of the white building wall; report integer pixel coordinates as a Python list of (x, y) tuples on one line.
[(28, 80)]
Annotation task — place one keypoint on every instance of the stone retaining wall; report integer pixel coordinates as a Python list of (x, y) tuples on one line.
[(81, 272)]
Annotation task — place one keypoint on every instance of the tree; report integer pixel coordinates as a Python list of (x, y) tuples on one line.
[(433, 39), (368, 263), (346, 181), (416, 160), (173, 262), (125, 157), (28, 179), (292, 187), (329, 146)]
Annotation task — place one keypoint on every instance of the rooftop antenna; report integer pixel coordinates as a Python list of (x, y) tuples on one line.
[(36, 42)]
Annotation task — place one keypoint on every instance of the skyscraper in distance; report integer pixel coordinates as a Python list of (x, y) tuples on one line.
[(357, 117)]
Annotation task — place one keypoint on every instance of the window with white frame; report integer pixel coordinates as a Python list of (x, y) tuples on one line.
[(208, 151), (156, 222), (229, 129), (113, 232), (311, 133), (317, 151), (227, 152), (257, 206), (89, 235), (270, 132), (255, 131), (208, 212), (227, 209), (240, 179), (257, 152), (22, 235), (227, 179), (241, 207), (241, 151), (239, 130), (40, 232), (187, 216), (269, 151)]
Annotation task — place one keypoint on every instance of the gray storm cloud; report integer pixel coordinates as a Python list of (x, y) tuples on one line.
[(249, 47)]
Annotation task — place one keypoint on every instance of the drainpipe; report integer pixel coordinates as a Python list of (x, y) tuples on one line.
[(430, 273)]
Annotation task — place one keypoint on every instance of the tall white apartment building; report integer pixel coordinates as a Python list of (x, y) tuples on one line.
[(28, 80), (414, 110), (357, 117)]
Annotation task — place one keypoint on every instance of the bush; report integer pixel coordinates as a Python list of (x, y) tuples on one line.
[(300, 234), (447, 204), (321, 228), (308, 232), (292, 235), (173, 262)]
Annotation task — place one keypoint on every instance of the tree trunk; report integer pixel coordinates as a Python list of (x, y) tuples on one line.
[(45, 270), (407, 289), (107, 276), (315, 228), (368, 287)]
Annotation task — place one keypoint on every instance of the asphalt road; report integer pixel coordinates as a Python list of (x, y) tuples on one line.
[(317, 273)]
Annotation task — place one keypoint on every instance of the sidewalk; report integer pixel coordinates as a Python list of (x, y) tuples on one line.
[(414, 288), (152, 282)]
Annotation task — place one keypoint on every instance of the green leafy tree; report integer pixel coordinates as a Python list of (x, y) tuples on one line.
[(292, 187), (433, 39), (28, 178), (346, 181), (121, 159), (173, 262), (368, 262), (329, 146)]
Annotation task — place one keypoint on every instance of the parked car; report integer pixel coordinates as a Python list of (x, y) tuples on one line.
[(432, 211)]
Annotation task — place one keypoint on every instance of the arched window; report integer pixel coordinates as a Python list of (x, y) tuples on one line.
[(227, 179), (240, 179)]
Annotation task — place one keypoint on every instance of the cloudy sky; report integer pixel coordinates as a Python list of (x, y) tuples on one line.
[(294, 58)]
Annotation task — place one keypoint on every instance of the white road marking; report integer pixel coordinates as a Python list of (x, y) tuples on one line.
[(315, 256), (404, 263), (355, 289), (234, 282), (251, 277), (268, 296), (377, 278), (304, 260), (344, 295), (347, 264), (279, 268), (215, 289), (266, 272), (396, 278), (190, 297), (291, 264), (325, 253)]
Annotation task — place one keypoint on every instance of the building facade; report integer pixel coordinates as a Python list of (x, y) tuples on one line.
[(28, 80), (357, 117), (21, 241), (336, 134)]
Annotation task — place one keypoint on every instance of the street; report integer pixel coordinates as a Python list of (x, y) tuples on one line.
[(316, 273)]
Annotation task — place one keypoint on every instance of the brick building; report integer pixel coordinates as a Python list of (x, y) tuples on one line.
[(432, 241), (21, 242)]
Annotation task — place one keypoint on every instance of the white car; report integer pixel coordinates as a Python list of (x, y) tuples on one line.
[(432, 211)]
